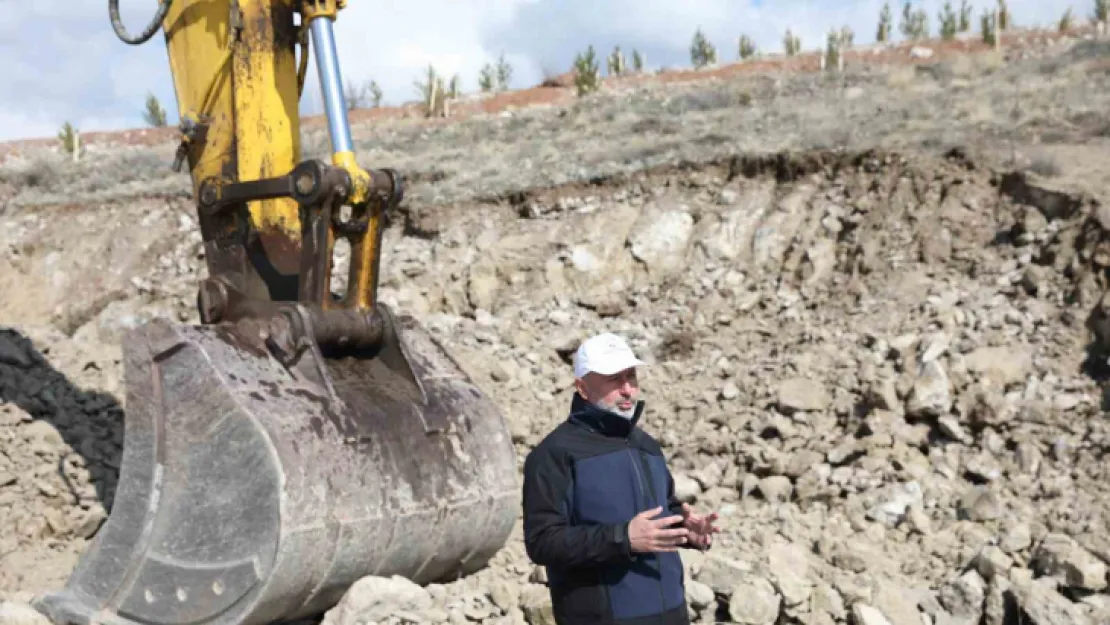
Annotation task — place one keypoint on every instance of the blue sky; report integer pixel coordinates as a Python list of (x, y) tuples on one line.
[(64, 63)]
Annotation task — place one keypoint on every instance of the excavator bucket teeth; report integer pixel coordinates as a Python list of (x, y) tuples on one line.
[(253, 492)]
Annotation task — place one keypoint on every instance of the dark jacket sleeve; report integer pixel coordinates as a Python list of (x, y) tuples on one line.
[(549, 538)]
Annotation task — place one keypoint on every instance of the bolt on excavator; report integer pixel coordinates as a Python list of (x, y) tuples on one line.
[(295, 440)]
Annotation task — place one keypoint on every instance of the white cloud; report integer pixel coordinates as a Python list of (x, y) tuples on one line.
[(64, 63)]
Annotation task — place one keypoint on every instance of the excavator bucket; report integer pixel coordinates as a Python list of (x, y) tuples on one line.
[(295, 440), (252, 491)]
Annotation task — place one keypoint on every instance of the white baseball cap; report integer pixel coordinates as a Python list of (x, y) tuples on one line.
[(606, 354)]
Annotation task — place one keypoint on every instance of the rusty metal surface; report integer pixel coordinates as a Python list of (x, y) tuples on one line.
[(266, 265), (252, 492), (341, 328), (249, 278)]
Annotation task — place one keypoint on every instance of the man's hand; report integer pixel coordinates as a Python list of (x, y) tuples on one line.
[(700, 526), (651, 535)]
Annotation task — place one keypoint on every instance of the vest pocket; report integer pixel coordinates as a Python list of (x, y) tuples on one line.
[(581, 598), (670, 569), (634, 590)]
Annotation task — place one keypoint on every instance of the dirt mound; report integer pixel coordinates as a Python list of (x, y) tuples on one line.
[(883, 367), (858, 359), (60, 457)]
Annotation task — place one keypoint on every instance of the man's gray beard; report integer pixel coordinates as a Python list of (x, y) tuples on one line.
[(615, 409)]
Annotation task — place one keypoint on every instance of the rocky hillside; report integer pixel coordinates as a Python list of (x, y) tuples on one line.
[(874, 304)]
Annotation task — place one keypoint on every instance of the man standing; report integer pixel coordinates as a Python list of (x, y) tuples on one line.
[(600, 511)]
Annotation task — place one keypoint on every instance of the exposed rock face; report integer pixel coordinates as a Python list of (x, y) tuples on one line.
[(882, 368)]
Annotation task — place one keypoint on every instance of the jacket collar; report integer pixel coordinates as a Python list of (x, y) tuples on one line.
[(603, 421)]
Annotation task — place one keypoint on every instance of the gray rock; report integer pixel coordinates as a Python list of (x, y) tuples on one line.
[(42, 431), (840, 454), (375, 599), (820, 261), (1099, 607), (933, 347), (801, 394), (788, 565), (983, 467), (535, 602), (732, 234), (686, 488), (826, 600), (482, 288), (776, 488), (699, 595), (660, 238), (1016, 537), (753, 601), (583, 260), (1060, 556), (802, 462), (720, 573), (13, 613), (91, 520), (952, 428), (863, 614), (898, 604), (931, 394), (965, 596), (730, 391), (917, 520), (992, 561), (892, 510), (1045, 606), (856, 555), (884, 394), (999, 603), (504, 595), (980, 504), (1029, 457), (1000, 366)]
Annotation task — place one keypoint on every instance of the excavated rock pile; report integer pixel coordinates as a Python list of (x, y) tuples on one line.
[(883, 368), (872, 366)]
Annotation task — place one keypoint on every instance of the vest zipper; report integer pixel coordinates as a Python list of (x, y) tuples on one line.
[(647, 495)]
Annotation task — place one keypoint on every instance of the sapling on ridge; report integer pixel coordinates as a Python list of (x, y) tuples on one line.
[(615, 63), (154, 114), (791, 43), (70, 137), (746, 47), (587, 75), (949, 22), (702, 53), (883, 33)]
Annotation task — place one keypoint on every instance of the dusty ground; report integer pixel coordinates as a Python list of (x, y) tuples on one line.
[(874, 302)]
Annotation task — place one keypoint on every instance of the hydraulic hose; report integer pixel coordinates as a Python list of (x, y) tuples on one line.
[(148, 32)]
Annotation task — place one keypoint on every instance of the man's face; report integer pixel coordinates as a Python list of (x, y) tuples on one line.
[(617, 392)]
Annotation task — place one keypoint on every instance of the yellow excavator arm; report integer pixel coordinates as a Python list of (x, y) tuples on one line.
[(296, 439), (239, 83)]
